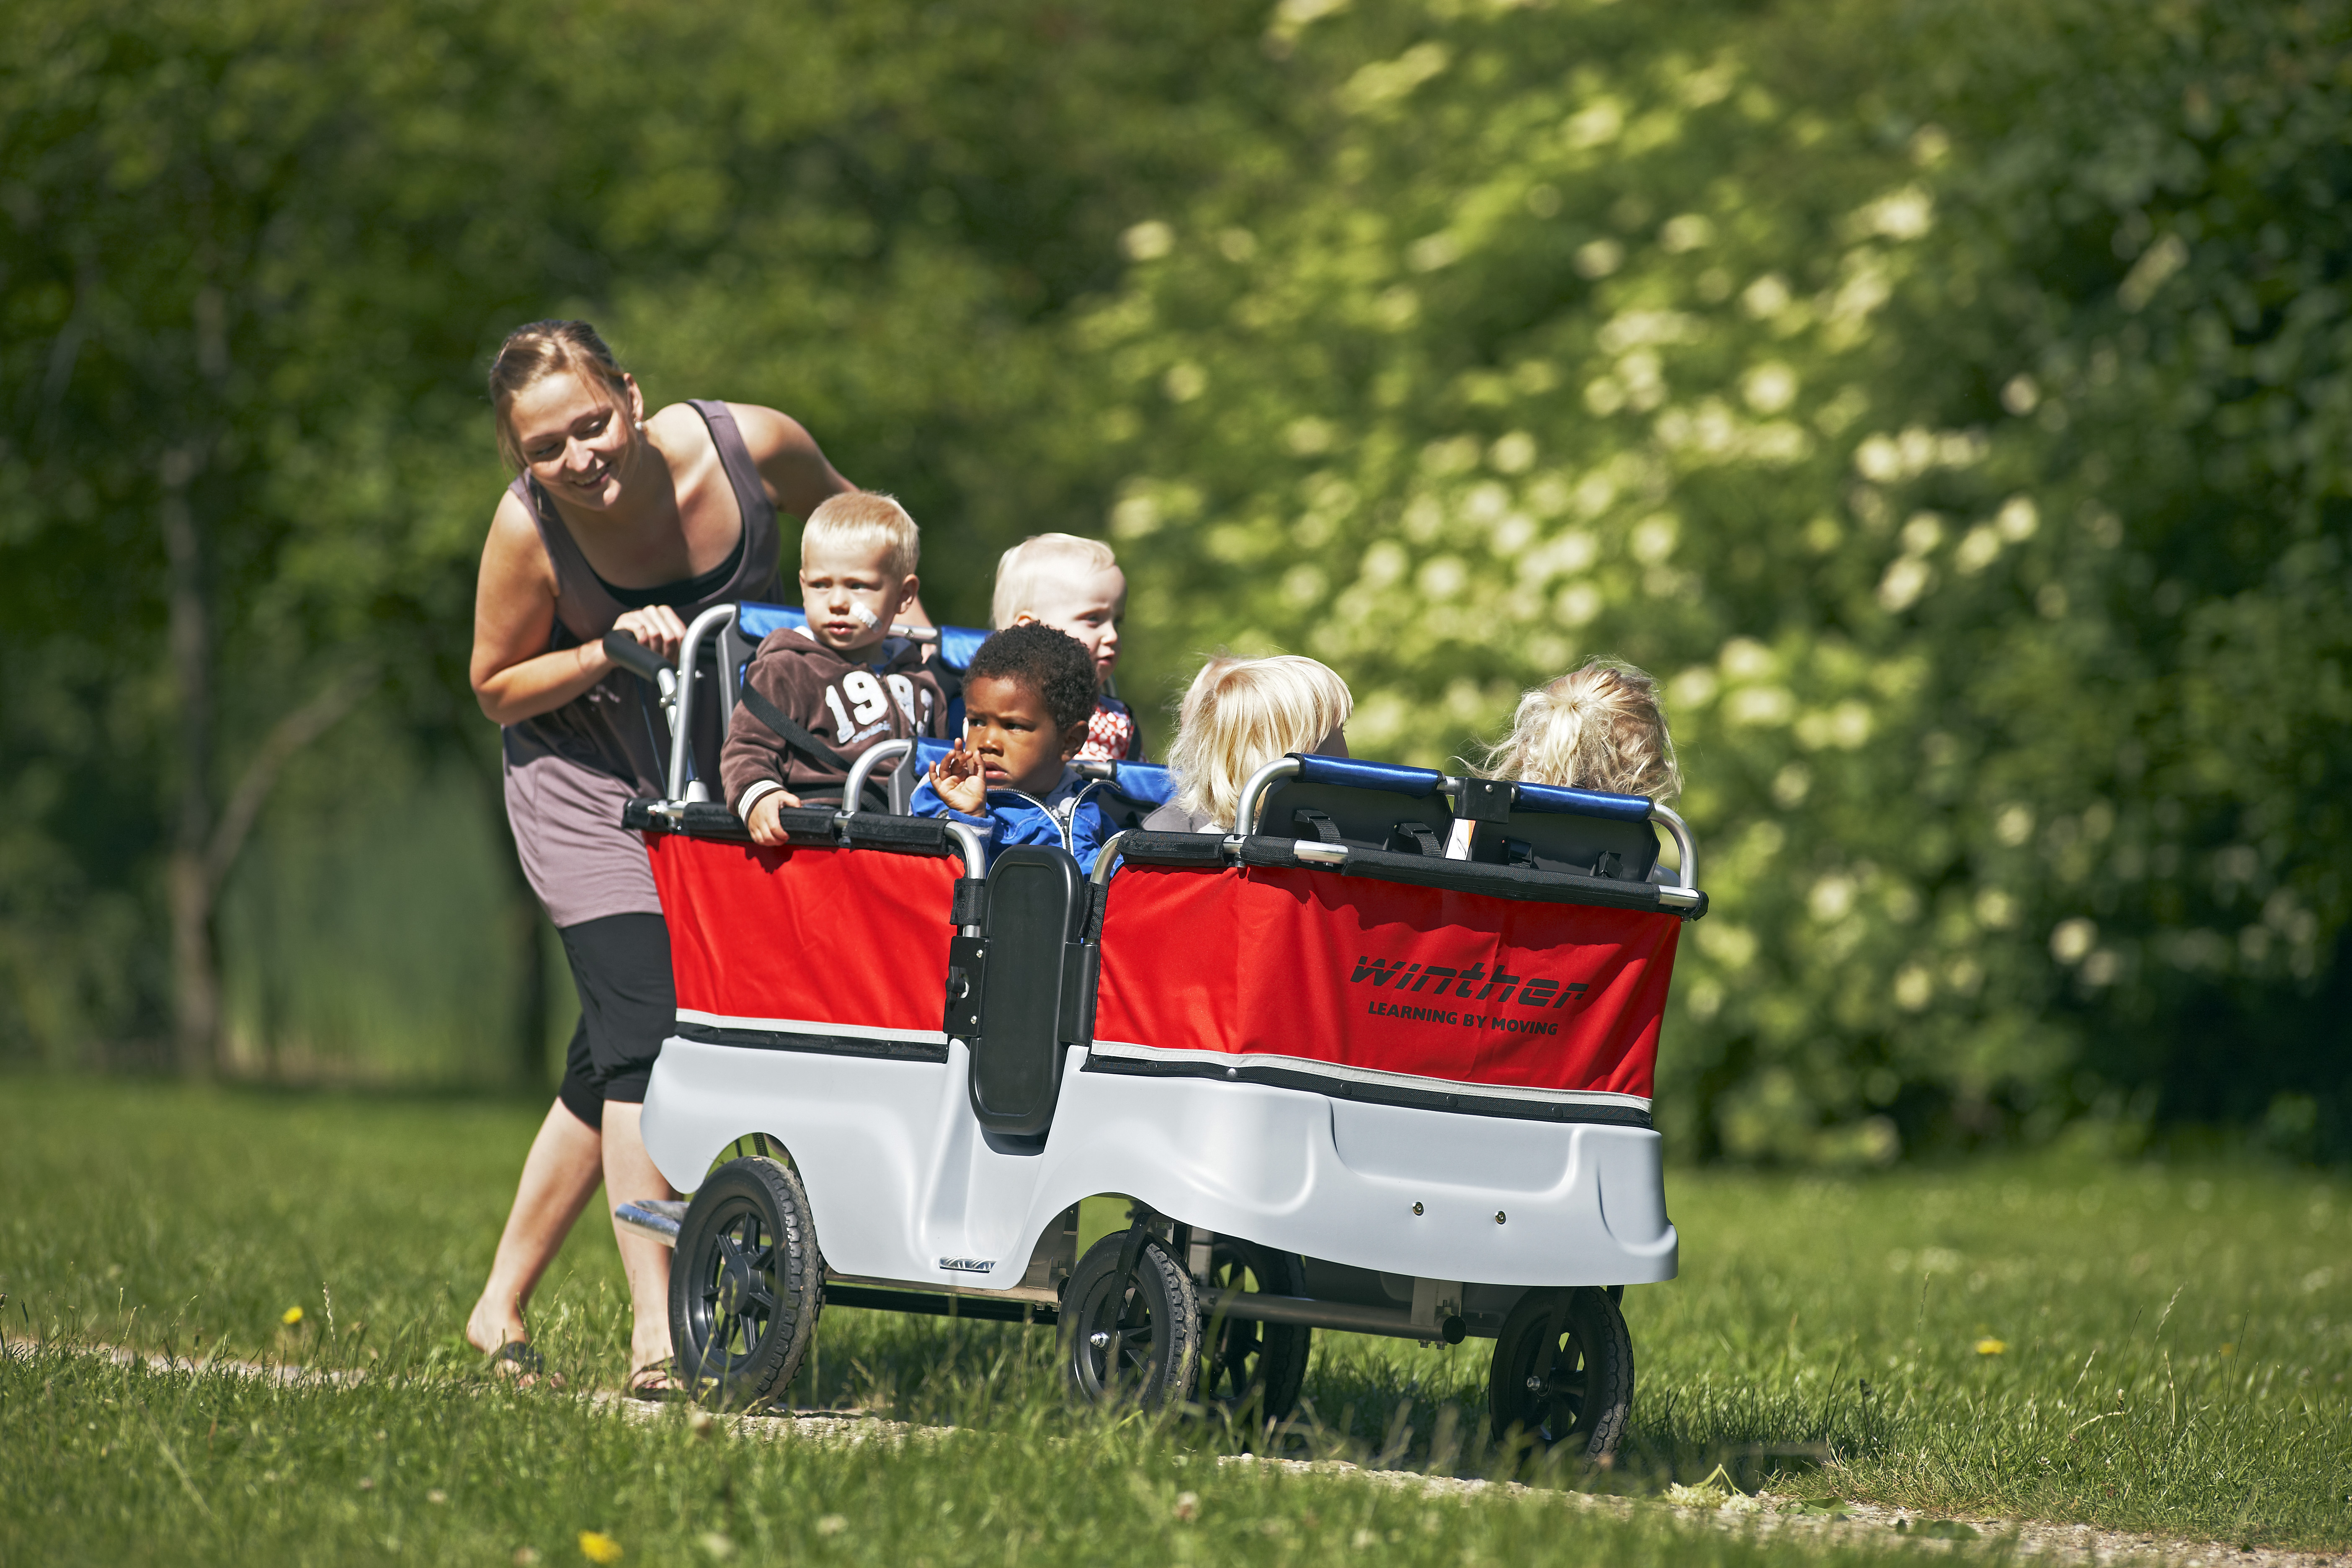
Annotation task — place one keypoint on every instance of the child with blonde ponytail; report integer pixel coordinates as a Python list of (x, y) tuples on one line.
[(1598, 727)]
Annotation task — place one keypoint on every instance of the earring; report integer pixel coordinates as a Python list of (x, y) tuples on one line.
[(641, 426)]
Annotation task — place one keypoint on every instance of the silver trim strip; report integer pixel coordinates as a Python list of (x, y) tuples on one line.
[(809, 1026), (1134, 1052)]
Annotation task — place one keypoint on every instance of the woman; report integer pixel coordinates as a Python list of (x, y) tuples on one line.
[(615, 520)]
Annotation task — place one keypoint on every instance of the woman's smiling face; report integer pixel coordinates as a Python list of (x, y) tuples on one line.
[(575, 438)]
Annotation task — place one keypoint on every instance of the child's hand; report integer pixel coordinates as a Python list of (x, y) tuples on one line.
[(765, 830), (960, 781)]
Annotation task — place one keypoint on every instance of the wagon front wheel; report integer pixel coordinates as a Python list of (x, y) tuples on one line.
[(1563, 1372), (1135, 1338), (746, 1285)]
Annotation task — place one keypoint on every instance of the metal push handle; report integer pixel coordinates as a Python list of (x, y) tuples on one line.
[(681, 729), (639, 659)]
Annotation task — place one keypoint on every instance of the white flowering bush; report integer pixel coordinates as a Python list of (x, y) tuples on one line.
[(1947, 402)]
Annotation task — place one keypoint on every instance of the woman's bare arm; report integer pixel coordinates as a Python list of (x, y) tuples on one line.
[(797, 475), (514, 612)]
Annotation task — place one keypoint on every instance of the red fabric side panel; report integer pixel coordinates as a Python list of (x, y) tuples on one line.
[(839, 936), (1338, 969)]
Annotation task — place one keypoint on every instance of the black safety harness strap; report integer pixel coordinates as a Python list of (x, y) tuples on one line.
[(795, 736)]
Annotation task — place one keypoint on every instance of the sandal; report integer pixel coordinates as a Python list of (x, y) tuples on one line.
[(653, 1382), (516, 1359)]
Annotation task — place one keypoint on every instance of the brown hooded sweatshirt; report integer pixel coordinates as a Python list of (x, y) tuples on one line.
[(846, 703)]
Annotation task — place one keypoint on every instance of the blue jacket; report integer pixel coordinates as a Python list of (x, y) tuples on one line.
[(1064, 818)]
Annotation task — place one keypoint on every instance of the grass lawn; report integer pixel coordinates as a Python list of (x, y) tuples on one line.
[(2150, 1348)]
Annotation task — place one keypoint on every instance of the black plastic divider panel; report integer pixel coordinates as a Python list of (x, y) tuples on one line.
[(1361, 818), (1559, 841), (1037, 908)]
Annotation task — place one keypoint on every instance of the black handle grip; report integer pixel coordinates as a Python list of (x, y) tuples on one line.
[(631, 655)]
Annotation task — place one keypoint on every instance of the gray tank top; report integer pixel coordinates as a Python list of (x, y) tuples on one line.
[(569, 772)]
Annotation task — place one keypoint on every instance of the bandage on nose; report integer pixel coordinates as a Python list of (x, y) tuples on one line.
[(864, 617)]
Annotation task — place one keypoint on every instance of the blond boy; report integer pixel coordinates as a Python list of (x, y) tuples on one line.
[(1074, 586), (815, 696)]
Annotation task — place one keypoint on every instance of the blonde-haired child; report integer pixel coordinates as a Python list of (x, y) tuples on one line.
[(1074, 586), (817, 696), (1597, 728), (1239, 714)]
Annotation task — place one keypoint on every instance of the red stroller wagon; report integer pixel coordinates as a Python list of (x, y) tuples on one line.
[(1380, 1060)]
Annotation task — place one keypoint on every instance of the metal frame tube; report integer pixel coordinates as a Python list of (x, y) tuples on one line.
[(869, 763), (974, 850), (1394, 1322), (1245, 815), (939, 1304), (1684, 841), (652, 1219), (1104, 858), (681, 722)]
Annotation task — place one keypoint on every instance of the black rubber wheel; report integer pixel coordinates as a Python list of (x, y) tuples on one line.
[(1563, 1372), (746, 1286), (1252, 1372), (1138, 1341)]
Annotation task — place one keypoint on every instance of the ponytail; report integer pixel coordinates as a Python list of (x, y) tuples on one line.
[(1598, 727)]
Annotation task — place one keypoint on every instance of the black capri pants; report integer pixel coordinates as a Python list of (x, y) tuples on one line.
[(629, 1006)]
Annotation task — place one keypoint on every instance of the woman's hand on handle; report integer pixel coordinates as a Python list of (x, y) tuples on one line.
[(514, 676), (657, 627)]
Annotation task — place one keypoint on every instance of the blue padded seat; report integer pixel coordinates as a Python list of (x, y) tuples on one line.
[(754, 622)]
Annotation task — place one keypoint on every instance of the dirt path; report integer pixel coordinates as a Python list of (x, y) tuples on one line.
[(1766, 1514), (1858, 1523)]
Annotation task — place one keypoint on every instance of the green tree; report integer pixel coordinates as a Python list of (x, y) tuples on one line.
[(252, 257), (1946, 399)]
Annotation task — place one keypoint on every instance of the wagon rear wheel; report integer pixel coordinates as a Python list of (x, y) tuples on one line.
[(1138, 1339), (1252, 1372), (746, 1286), (1563, 1372)]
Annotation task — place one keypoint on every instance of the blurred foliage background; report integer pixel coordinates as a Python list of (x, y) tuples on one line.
[(1948, 401)]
